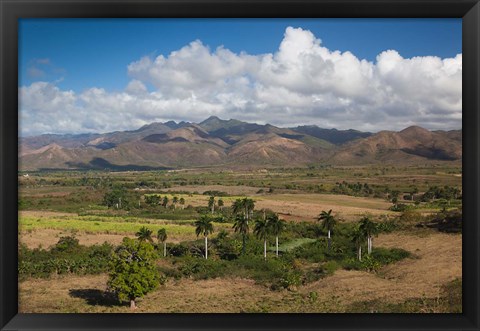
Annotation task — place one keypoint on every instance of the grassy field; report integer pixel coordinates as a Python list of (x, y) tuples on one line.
[(425, 279)]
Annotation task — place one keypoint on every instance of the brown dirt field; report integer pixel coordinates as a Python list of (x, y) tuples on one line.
[(438, 260), (232, 190), (308, 206), (226, 295), (44, 213), (45, 238)]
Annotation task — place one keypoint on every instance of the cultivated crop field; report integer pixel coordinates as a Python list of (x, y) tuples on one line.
[(71, 224)]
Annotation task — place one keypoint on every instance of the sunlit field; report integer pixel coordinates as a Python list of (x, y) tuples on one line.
[(72, 222)]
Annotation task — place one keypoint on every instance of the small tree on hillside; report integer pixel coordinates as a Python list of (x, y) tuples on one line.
[(182, 202), (132, 270), (165, 202)]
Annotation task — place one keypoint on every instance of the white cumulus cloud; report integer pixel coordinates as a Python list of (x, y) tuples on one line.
[(303, 82)]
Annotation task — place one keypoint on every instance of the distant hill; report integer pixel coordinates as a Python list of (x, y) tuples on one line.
[(232, 143), (413, 144), (333, 136)]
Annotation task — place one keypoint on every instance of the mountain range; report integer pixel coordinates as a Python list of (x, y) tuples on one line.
[(233, 143)]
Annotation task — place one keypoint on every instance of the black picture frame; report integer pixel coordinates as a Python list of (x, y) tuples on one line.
[(12, 10)]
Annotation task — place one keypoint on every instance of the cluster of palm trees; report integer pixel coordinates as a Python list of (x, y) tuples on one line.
[(267, 226), (365, 230), (212, 202), (145, 234)]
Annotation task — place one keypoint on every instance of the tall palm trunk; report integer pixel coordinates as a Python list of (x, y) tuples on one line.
[(244, 243), (276, 242), (206, 247), (132, 304), (369, 245), (329, 240), (164, 249), (360, 253), (265, 249)]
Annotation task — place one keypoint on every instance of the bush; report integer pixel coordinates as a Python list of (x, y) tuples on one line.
[(66, 257), (178, 250), (202, 269)]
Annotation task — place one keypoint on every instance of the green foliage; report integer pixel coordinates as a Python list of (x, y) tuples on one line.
[(65, 257), (202, 268), (144, 234), (152, 199), (117, 198), (132, 270), (67, 244), (379, 258)]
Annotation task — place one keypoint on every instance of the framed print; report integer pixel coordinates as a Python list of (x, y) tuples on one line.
[(239, 165)]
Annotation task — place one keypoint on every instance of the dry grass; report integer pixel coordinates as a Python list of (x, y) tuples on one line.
[(308, 206), (438, 261), (44, 238)]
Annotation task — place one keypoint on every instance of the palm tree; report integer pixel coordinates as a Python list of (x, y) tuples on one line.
[(237, 206), (220, 204), (204, 226), (241, 226), (144, 234), (165, 201), (358, 238), (174, 201), (369, 229), (211, 203), (162, 237), (182, 202), (244, 205), (261, 230), (329, 222), (249, 205), (276, 226)]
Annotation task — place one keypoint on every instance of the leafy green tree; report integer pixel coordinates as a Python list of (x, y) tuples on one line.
[(328, 223), (211, 204), (369, 229), (132, 270), (162, 237), (276, 226), (152, 199), (241, 226), (261, 230), (204, 226), (144, 234), (174, 202), (116, 198)]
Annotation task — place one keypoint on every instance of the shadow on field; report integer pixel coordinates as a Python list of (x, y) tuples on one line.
[(95, 297)]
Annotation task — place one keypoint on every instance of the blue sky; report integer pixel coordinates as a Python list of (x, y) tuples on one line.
[(78, 55), (89, 52)]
